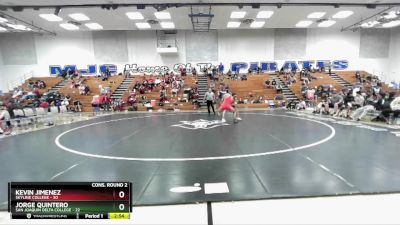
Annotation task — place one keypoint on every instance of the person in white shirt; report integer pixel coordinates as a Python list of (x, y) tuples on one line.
[(4, 117), (157, 81), (210, 97), (395, 104)]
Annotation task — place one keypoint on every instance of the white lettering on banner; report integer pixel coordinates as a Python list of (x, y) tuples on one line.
[(146, 69), (203, 66)]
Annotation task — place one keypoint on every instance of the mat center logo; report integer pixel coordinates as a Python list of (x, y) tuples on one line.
[(200, 124)]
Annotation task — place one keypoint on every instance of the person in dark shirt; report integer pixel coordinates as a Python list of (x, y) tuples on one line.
[(268, 84), (64, 74)]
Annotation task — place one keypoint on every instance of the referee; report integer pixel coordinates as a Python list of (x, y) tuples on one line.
[(210, 97)]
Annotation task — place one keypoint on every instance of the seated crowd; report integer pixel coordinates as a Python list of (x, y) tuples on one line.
[(365, 97)]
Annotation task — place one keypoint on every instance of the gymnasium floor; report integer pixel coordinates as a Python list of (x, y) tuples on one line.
[(270, 154)]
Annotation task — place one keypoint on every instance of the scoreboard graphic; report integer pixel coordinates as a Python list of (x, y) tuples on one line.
[(69, 200)]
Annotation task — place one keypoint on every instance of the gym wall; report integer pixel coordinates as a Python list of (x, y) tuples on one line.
[(25, 53)]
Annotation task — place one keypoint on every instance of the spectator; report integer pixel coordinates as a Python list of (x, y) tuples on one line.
[(127, 73), (258, 70), (273, 83), (96, 103), (268, 84), (278, 88), (336, 102), (5, 124), (310, 95), (65, 101), (78, 106), (212, 85), (395, 107), (194, 71), (221, 68), (249, 71), (42, 84), (64, 74), (214, 73), (358, 100), (358, 77), (86, 90), (229, 73), (303, 90)]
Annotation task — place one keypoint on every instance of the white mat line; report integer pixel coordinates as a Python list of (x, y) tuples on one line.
[(329, 171), (64, 171)]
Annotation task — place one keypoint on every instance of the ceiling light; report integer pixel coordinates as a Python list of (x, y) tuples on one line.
[(304, 23), (94, 26), (162, 15), (79, 17), (257, 24), (394, 23), (390, 15), (316, 15), (2, 29), (51, 17), (369, 24), (143, 25), (16, 26), (69, 26), (326, 23), (238, 14), (342, 14), (3, 20), (167, 25), (134, 15), (264, 14), (233, 24)]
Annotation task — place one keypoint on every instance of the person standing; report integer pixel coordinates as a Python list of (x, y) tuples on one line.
[(4, 116), (221, 68), (228, 105), (210, 98)]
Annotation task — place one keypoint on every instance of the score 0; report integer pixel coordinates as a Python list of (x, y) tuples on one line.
[(121, 196)]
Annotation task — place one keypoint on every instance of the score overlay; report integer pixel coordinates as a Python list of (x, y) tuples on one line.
[(69, 200)]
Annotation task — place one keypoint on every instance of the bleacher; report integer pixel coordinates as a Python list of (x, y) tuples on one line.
[(155, 95), (93, 83), (322, 79), (254, 86), (247, 90), (50, 82), (350, 77)]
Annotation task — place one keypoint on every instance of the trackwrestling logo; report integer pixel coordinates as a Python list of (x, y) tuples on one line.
[(200, 124)]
